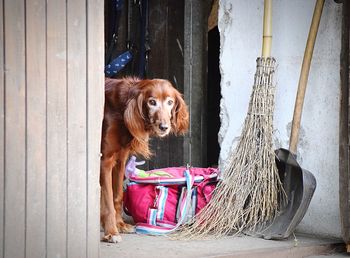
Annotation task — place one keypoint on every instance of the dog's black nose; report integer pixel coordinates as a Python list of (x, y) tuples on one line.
[(163, 127)]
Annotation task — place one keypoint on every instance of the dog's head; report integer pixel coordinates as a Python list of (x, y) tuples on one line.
[(158, 108)]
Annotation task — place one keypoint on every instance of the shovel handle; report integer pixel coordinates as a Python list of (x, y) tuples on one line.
[(304, 75), (267, 29)]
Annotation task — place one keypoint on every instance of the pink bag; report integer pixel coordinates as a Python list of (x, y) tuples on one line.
[(161, 200)]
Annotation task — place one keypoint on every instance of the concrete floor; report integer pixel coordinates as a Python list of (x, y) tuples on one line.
[(144, 246)]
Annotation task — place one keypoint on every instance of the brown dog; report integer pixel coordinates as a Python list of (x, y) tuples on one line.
[(134, 110)]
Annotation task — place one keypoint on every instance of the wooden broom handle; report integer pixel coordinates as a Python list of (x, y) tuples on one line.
[(267, 29), (304, 75)]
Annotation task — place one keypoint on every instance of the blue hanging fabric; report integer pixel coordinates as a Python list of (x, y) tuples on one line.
[(118, 64), (144, 46), (141, 53), (119, 4), (117, 8)]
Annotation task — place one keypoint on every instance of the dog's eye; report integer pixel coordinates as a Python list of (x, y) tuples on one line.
[(170, 102), (152, 102)]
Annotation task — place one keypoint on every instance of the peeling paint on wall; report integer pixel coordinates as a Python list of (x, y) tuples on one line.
[(227, 15)]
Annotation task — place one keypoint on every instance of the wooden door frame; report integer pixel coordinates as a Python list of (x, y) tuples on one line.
[(195, 79)]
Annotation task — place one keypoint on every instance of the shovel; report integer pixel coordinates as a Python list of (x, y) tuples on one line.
[(299, 184)]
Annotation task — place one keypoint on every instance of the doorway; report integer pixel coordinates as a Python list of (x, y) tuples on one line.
[(181, 50), (213, 97)]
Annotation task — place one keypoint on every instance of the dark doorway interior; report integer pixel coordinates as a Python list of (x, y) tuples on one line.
[(214, 96), (164, 42), (176, 40)]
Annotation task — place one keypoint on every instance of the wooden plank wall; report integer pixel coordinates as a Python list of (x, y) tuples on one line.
[(56, 182), (35, 128), (15, 129), (95, 97), (51, 107), (2, 131), (76, 121), (166, 60)]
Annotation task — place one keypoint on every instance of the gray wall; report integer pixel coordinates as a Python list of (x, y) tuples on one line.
[(240, 24), (51, 88)]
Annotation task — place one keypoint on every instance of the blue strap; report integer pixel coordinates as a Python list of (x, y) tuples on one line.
[(117, 7), (143, 50), (118, 64), (119, 4)]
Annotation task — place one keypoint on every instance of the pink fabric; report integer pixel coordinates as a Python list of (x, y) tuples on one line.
[(140, 197), (177, 173), (204, 195)]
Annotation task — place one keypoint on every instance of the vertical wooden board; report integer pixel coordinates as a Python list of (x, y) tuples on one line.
[(2, 130), (56, 223), (15, 142), (188, 76), (36, 128), (158, 68), (77, 137), (196, 15), (158, 36), (95, 102), (176, 69)]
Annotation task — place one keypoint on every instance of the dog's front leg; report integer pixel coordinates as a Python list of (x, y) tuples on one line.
[(118, 179), (108, 218)]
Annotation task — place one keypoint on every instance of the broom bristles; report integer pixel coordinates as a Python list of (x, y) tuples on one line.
[(249, 194)]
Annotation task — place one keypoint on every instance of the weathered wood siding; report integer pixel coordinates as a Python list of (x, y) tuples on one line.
[(195, 79), (51, 107)]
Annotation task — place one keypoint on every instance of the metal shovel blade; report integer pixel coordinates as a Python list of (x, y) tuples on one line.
[(299, 185)]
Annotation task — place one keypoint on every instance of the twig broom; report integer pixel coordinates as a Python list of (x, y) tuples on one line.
[(247, 197)]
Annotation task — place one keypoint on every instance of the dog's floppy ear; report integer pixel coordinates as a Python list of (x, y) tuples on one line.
[(133, 115), (180, 116), (135, 122)]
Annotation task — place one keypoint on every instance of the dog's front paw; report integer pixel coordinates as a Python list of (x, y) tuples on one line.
[(110, 238), (125, 228)]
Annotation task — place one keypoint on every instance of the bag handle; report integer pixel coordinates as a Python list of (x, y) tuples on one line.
[(144, 228)]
